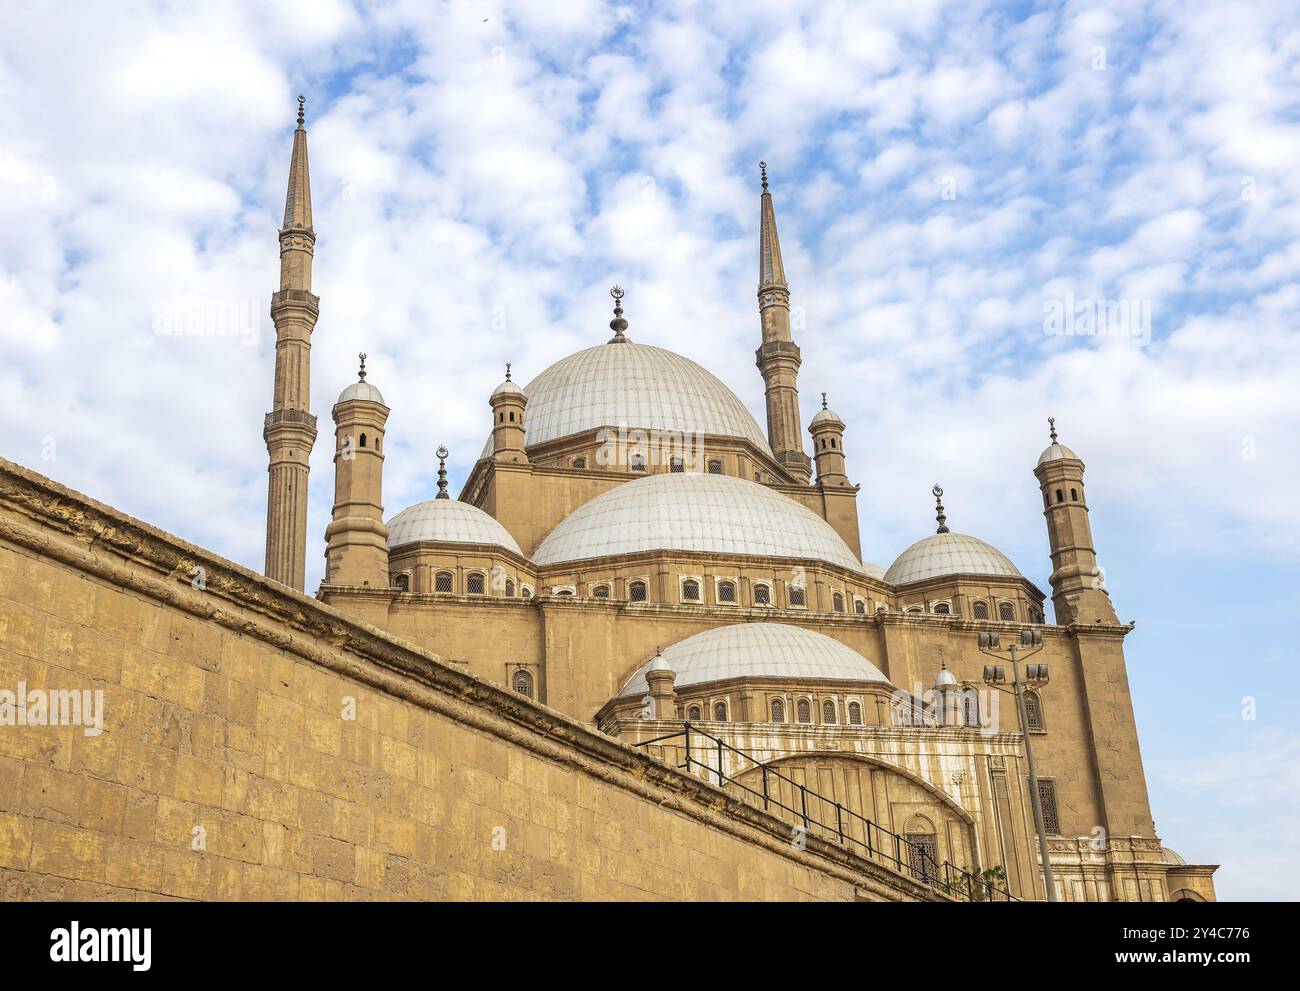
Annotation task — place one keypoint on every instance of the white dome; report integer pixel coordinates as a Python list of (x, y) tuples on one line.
[(448, 521), (361, 390), (690, 511), (508, 388), (827, 416), (945, 678), (1057, 452), (759, 650), (949, 554), (635, 386)]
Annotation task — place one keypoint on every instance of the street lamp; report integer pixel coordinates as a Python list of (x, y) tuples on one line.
[(1036, 676)]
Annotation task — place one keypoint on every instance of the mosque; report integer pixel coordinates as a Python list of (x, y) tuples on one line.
[(633, 549)]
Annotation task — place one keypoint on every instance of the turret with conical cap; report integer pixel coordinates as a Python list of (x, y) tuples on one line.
[(290, 429), (778, 357)]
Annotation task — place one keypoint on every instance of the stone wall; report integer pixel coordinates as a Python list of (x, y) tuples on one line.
[(257, 744)]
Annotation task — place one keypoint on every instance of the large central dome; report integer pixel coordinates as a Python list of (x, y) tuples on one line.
[(712, 514), (635, 386)]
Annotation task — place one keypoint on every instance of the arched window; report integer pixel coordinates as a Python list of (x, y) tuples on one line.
[(798, 597), (762, 595), (512, 416), (803, 711), (580, 462), (1006, 611), (726, 591), (676, 465), (970, 707), (690, 590), (562, 591), (528, 592), (523, 683), (1034, 712), (837, 602), (980, 610), (636, 591), (828, 711), (638, 462), (693, 713), (1060, 496), (443, 581), (855, 714), (922, 848), (942, 609), (860, 607), (600, 592), (475, 583), (778, 711), (510, 588), (1047, 503), (715, 467), (363, 440), (1047, 799), (1074, 494), (403, 582), (913, 609), (720, 711)]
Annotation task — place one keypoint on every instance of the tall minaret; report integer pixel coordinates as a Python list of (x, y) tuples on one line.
[(290, 429), (778, 357), (356, 540), (1078, 586)]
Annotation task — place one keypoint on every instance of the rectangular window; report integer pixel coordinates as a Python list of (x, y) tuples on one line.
[(1047, 798)]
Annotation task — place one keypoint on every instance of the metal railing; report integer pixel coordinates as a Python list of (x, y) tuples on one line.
[(876, 843)]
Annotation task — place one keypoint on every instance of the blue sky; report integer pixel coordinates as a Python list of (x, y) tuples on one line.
[(944, 174)]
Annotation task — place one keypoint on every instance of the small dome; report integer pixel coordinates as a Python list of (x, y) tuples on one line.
[(448, 521), (945, 678), (1057, 452), (949, 554), (690, 511), (759, 650), (1172, 858), (508, 388), (827, 416), (657, 663), (634, 386), (361, 390)]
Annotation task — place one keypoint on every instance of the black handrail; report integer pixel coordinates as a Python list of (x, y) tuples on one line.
[(954, 881)]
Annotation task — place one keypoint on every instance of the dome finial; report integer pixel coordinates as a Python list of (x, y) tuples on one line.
[(301, 115), (938, 504), (507, 371), (361, 374), (762, 171), (1051, 423), (442, 472), (618, 324), (823, 400)]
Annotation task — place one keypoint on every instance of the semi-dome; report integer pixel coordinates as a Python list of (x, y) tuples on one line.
[(689, 511), (759, 650), (634, 386), (361, 390), (448, 521), (949, 554)]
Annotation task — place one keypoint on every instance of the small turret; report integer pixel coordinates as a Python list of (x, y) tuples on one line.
[(1079, 592), (508, 401), (827, 431), (356, 551)]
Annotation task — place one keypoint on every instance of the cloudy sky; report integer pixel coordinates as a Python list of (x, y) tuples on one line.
[(949, 180)]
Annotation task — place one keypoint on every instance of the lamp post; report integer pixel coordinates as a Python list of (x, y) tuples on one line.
[(1035, 675)]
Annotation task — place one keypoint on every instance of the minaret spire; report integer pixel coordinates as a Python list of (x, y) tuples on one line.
[(290, 429), (778, 358)]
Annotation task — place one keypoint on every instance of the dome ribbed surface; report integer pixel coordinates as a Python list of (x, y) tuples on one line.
[(759, 650), (634, 386), (449, 521), (949, 554), (691, 511)]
